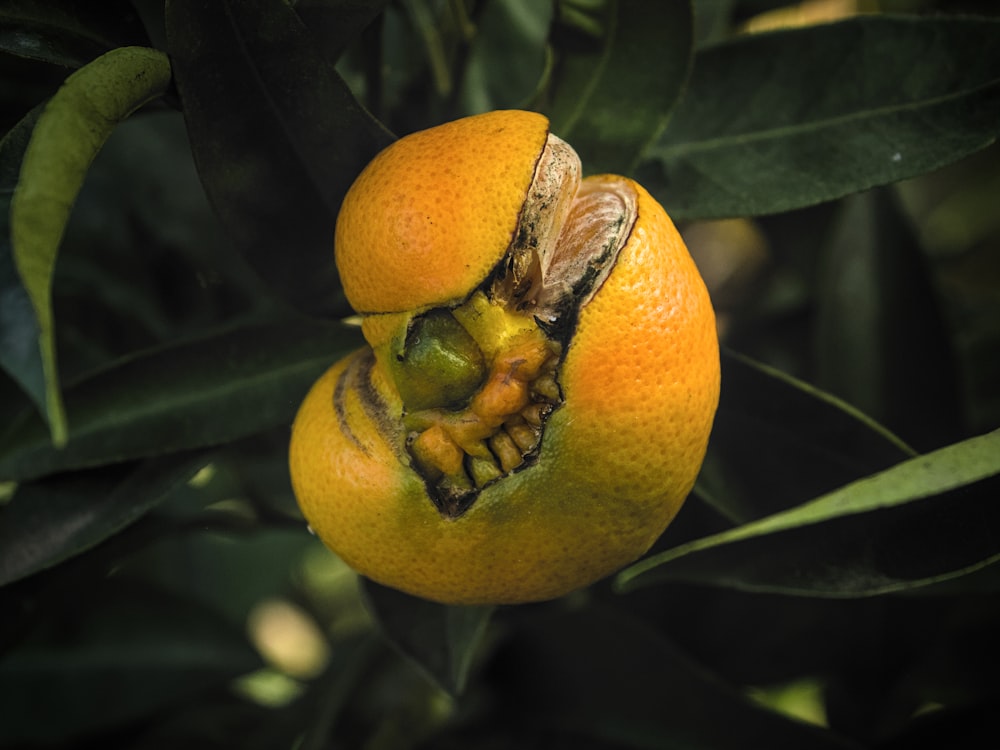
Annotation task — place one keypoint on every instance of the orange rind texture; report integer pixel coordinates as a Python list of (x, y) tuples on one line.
[(429, 217), (639, 380)]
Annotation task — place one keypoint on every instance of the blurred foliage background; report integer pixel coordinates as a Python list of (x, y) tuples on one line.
[(170, 175)]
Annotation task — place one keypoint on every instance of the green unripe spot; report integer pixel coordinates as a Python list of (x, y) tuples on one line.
[(439, 364)]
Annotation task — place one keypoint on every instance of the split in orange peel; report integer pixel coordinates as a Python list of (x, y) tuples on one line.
[(541, 377)]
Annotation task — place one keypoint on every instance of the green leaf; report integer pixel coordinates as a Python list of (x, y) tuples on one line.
[(52, 520), (713, 20), (778, 442), (882, 341), (335, 690), (277, 136), (753, 7), (425, 22), (20, 356), (616, 79), (112, 656), (787, 119), (921, 522), (596, 678), (442, 640), (192, 394), (67, 32), (507, 58), (238, 561), (69, 133), (335, 24)]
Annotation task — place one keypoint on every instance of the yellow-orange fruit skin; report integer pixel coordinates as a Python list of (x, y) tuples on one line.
[(396, 244), (640, 381)]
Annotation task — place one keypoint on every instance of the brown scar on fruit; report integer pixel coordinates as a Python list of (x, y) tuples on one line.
[(356, 380)]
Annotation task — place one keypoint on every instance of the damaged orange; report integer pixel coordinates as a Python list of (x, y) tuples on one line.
[(541, 375)]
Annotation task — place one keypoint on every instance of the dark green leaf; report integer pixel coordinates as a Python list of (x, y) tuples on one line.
[(223, 559), (52, 520), (335, 24), (20, 355), (882, 341), (335, 690), (507, 57), (753, 7), (781, 120), (112, 656), (612, 93), (427, 26), (442, 640), (953, 726), (187, 395), (67, 32), (713, 20), (276, 134), (70, 131), (778, 442), (600, 677), (924, 521), (219, 721)]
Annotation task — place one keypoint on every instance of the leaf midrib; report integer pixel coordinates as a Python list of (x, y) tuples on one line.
[(685, 148)]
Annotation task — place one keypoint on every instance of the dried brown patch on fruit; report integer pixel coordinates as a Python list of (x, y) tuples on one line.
[(479, 380)]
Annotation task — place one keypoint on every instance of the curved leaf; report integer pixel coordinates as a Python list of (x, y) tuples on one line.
[(67, 32), (440, 639), (607, 680), (70, 131), (882, 341), (335, 25), (20, 356), (507, 56), (787, 119), (277, 136), (921, 522), (121, 652), (612, 93), (778, 442), (335, 690), (186, 395), (53, 520)]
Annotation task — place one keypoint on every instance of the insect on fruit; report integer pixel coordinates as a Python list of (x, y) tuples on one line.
[(541, 375)]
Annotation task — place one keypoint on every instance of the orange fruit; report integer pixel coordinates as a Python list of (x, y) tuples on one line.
[(398, 225), (541, 377)]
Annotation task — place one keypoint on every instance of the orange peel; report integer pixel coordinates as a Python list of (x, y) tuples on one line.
[(541, 375)]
